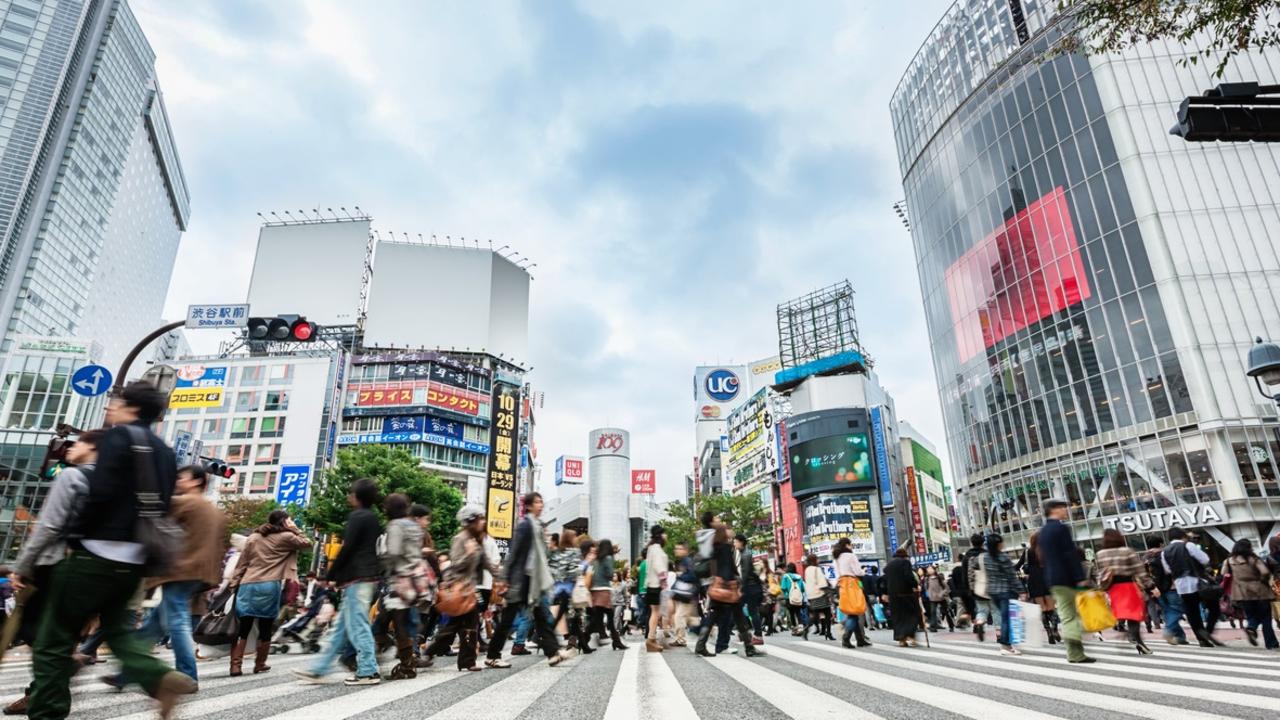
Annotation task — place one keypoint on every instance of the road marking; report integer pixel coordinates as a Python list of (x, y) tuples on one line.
[(792, 697), (1160, 659), (941, 698), (361, 699), (660, 682), (506, 699), (625, 702), (1078, 672), (1109, 703)]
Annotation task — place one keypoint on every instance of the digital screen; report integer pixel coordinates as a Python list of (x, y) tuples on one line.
[(838, 462), (1020, 274)]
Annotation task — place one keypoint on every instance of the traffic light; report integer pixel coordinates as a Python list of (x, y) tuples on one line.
[(1231, 112), (217, 468), (283, 328)]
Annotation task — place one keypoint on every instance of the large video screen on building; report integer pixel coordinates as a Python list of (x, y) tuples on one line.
[(840, 462), (1018, 275)]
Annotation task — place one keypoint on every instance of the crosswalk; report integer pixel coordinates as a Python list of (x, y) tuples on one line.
[(813, 680)]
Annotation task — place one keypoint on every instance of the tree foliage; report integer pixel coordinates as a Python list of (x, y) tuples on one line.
[(244, 515), (395, 470), (744, 513), (1219, 29)]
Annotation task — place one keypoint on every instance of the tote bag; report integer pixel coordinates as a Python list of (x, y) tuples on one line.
[(1095, 612), (852, 600)]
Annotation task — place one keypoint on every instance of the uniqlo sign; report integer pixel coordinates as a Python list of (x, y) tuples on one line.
[(643, 482), (572, 469)]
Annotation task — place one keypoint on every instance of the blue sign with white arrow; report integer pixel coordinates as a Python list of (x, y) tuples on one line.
[(91, 380)]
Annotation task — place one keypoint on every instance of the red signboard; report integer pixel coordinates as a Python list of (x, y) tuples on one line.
[(370, 395), (644, 482), (1018, 275), (572, 469), (917, 518), (450, 398)]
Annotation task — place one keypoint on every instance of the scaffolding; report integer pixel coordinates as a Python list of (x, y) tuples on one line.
[(818, 325)]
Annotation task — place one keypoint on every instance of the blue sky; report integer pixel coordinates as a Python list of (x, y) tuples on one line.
[(676, 171)]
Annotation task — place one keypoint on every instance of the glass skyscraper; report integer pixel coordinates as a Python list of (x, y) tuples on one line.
[(1091, 283), (92, 197)]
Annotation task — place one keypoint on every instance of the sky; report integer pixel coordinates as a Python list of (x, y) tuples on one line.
[(675, 170)]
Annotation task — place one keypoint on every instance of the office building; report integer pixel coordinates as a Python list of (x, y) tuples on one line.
[(1091, 283), (92, 196), (926, 492)]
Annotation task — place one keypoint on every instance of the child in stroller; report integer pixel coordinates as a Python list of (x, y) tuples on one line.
[(306, 629)]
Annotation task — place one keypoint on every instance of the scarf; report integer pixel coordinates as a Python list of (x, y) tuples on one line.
[(540, 580)]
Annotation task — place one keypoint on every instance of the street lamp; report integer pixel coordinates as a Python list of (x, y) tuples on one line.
[(1264, 368)]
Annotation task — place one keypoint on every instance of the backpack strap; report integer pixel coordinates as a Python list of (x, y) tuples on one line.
[(145, 489)]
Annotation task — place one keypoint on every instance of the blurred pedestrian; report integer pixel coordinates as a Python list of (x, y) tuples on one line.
[(1123, 574), (1251, 589), (902, 593), (1064, 574)]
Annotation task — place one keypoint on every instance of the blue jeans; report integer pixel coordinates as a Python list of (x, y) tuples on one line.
[(524, 621), (851, 622), (173, 617), (351, 630), (1000, 606), (1171, 605)]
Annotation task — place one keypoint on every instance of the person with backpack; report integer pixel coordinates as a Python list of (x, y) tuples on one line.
[(793, 592), (115, 548), (1251, 580), (1168, 601), (960, 578), (1185, 562)]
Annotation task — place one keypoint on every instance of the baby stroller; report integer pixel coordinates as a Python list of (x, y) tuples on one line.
[(304, 631)]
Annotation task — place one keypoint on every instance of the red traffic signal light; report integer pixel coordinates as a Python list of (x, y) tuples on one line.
[(302, 331), (218, 468), (283, 328)]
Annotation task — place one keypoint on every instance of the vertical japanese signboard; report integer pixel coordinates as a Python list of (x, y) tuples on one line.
[(917, 518), (882, 458), (502, 469)]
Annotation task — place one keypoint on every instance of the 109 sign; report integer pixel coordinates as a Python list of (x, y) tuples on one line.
[(610, 442), (722, 385)]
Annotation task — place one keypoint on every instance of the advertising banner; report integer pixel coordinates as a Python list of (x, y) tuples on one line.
[(917, 517), (569, 470), (644, 482), (748, 427), (882, 458), (198, 386), (834, 462), (892, 525), (717, 390), (455, 399), (784, 452), (373, 395), (830, 517), (419, 358), (294, 484), (502, 472)]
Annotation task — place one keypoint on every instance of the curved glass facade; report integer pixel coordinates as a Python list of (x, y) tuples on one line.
[(1058, 368)]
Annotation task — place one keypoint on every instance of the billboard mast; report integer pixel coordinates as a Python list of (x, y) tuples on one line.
[(818, 325)]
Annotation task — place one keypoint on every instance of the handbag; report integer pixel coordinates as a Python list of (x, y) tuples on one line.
[(852, 600), (1210, 592), (289, 592), (684, 591), (220, 626), (581, 596), (1094, 611), (601, 598), (724, 591), (161, 537), (456, 596)]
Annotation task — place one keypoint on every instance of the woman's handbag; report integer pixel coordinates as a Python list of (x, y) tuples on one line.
[(456, 597), (581, 596), (289, 592), (220, 626), (1095, 612), (724, 591), (602, 599), (852, 600), (684, 591)]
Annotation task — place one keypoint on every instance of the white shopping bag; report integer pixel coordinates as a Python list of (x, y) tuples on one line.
[(1028, 625)]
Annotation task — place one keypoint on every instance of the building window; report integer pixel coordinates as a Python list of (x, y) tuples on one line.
[(237, 454), (281, 374), (247, 401), (277, 400), (213, 428), (252, 375), (272, 427), (262, 481), (242, 427), (267, 454)]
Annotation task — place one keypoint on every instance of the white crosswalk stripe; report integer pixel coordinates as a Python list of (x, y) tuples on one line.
[(957, 678)]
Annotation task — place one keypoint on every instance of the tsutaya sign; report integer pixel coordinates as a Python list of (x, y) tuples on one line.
[(1161, 519)]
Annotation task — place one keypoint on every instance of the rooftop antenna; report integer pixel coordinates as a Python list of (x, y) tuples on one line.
[(274, 215)]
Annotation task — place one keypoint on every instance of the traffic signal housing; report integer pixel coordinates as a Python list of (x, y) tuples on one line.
[(1231, 112), (283, 328), (217, 468)]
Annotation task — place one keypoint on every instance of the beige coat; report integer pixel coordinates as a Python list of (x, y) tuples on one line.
[(1250, 579), (270, 557), (203, 526)]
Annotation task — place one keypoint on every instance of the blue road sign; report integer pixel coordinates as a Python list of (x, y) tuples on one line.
[(91, 380)]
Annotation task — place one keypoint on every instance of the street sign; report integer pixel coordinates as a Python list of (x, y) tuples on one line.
[(204, 317), (182, 447), (294, 485), (91, 380), (162, 377)]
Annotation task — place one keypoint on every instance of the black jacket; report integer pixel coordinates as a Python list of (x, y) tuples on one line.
[(358, 558), (722, 561), (518, 559), (1059, 555), (110, 509), (900, 578)]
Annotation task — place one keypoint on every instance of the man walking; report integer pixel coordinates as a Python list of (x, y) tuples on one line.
[(1185, 562), (528, 580), (1170, 603), (107, 563), (1064, 574)]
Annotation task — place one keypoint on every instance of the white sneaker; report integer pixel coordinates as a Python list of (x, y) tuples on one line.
[(357, 680), (1010, 651)]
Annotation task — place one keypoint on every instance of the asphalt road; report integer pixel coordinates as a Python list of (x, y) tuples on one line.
[(956, 678)]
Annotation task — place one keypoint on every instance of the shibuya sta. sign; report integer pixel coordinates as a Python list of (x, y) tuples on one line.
[(1161, 519)]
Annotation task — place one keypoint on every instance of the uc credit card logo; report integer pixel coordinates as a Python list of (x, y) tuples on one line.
[(722, 385)]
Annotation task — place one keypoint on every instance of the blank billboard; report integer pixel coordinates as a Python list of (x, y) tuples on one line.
[(441, 298), (311, 269)]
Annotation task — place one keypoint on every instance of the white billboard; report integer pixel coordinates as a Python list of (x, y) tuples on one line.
[(442, 298), (761, 372), (311, 269), (717, 390)]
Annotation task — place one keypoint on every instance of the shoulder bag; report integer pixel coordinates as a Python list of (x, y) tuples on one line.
[(456, 596), (161, 537), (724, 591)]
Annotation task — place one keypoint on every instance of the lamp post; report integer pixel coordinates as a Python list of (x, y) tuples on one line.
[(1264, 368)]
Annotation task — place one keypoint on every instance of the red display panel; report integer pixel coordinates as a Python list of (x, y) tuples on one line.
[(1020, 274)]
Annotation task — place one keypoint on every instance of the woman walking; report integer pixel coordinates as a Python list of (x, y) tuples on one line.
[(847, 566), (935, 593), (1251, 589), (817, 588), (901, 592), (1003, 587), (1123, 574), (566, 568), (269, 559), (467, 560), (601, 587), (793, 595), (406, 576), (1038, 590), (656, 567)]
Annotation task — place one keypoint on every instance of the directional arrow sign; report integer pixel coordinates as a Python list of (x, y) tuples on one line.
[(91, 380)]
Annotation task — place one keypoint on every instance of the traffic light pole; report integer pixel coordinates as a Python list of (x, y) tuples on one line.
[(142, 344)]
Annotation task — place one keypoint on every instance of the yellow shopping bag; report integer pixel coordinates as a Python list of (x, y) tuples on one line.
[(1094, 610)]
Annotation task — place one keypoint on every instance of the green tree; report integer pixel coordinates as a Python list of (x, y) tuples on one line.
[(244, 515), (395, 470), (1219, 29), (744, 513)]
